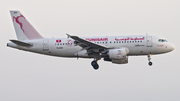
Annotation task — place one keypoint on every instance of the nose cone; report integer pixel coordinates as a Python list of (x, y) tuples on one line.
[(171, 47)]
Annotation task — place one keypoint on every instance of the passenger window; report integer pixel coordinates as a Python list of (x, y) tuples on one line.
[(127, 41), (119, 41)]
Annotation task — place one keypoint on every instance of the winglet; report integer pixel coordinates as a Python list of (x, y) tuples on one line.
[(68, 35)]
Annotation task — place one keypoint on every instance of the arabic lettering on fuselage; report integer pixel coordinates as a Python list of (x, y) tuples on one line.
[(130, 38), (97, 39)]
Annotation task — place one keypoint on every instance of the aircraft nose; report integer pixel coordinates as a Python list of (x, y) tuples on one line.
[(172, 47)]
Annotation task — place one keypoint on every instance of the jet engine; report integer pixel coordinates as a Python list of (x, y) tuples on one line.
[(118, 54)]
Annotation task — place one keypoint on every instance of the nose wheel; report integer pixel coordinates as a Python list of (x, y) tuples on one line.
[(150, 63), (149, 59), (95, 65)]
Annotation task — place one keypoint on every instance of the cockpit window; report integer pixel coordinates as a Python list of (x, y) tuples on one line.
[(162, 40)]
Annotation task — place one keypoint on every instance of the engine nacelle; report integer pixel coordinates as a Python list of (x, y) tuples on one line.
[(118, 54), (117, 61)]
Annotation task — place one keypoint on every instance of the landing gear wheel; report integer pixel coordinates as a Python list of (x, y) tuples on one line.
[(150, 63), (95, 65), (149, 58)]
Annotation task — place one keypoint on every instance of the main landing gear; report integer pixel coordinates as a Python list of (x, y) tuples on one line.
[(149, 58), (95, 64)]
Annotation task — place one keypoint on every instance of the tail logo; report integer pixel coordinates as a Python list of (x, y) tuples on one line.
[(17, 21), (24, 27)]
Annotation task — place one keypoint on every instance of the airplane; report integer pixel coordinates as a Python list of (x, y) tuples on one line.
[(115, 49)]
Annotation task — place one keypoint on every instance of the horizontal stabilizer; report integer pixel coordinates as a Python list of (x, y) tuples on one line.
[(17, 42)]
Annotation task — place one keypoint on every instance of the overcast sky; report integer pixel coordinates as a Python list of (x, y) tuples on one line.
[(26, 76)]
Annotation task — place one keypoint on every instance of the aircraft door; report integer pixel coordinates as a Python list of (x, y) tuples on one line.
[(149, 41), (45, 45)]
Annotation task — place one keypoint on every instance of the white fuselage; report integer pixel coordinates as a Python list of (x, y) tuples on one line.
[(65, 47)]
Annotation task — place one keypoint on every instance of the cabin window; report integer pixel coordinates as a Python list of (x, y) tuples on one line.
[(119, 41), (110, 41), (127, 41), (124, 41)]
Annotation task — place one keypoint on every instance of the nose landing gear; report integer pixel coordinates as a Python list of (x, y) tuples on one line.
[(149, 58)]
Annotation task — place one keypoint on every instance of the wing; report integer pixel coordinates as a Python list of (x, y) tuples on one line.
[(87, 45)]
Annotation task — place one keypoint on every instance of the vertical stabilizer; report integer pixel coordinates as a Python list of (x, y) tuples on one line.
[(24, 30)]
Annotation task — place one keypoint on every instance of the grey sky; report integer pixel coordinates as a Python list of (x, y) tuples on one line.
[(26, 76)]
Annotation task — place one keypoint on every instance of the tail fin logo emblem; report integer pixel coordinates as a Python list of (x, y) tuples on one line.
[(17, 20)]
